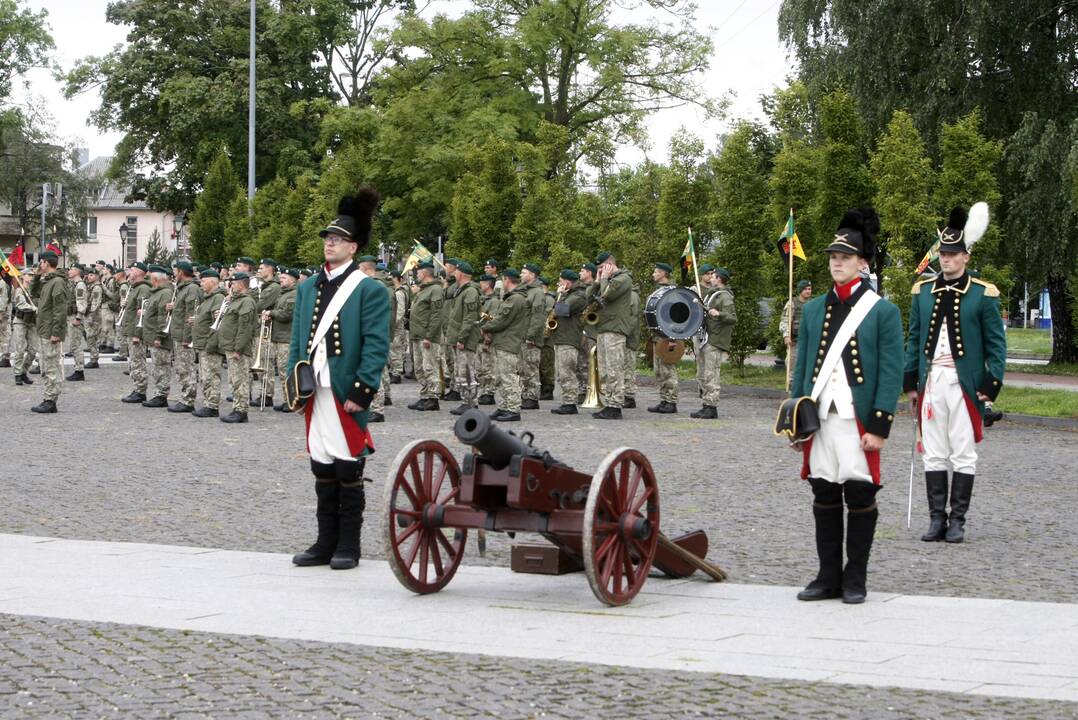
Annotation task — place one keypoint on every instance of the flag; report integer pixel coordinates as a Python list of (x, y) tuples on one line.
[(419, 254), (932, 254), (688, 258), (53, 248), (8, 271), (18, 255), (789, 240)]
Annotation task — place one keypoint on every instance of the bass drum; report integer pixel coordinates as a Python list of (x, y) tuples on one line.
[(674, 312)]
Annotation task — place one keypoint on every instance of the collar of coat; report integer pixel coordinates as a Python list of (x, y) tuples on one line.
[(960, 284)]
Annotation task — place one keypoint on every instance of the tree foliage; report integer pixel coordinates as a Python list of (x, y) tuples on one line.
[(208, 219)]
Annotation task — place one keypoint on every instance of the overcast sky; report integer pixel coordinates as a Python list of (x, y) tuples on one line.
[(748, 61)]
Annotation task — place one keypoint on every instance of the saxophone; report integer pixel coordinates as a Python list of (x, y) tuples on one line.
[(551, 319)]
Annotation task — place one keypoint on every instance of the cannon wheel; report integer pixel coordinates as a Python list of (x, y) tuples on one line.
[(422, 556), (621, 526)]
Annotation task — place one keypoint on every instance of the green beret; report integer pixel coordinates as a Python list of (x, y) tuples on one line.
[(511, 273), (312, 270), (452, 261), (269, 261), (185, 266), (706, 268), (665, 267), (427, 264), (211, 273), (240, 275), (246, 260), (293, 272), (590, 267), (118, 270), (532, 267), (157, 269), (395, 273), (568, 274), (493, 263), (140, 265), (216, 265), (543, 280), (100, 262), (487, 278), (723, 273), (367, 258), (602, 257), (50, 256), (465, 267), (802, 284)]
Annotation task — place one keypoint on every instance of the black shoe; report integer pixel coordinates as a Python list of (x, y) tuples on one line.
[(936, 485), (426, 404), (829, 531), (23, 380), (46, 406), (395, 380), (460, 409), (388, 402), (258, 401), (92, 365), (530, 404), (451, 395), (546, 395), (415, 405), (629, 403), (373, 416), (486, 399), (234, 417), (119, 358), (282, 408), (206, 412), (410, 375), (180, 408), (229, 398), (961, 493), (353, 503), (506, 416), (608, 413), (134, 397), (159, 401), (76, 376), (663, 408), (127, 372), (5, 363), (564, 410), (815, 591), (707, 412), (992, 416), (35, 370), (326, 490)]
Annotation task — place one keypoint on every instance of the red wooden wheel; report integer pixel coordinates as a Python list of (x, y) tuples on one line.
[(424, 557), (621, 526)]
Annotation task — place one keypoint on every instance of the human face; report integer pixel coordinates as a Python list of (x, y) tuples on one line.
[(806, 293), (564, 285), (527, 277), (844, 267), (337, 249), (239, 287), (208, 284), (287, 281), (586, 275), (490, 269), (953, 264), (265, 272), (658, 275)]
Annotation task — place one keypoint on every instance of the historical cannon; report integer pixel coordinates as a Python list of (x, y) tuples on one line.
[(609, 521)]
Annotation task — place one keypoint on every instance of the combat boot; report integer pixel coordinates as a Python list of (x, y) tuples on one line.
[(529, 404), (608, 413), (427, 404), (486, 400), (46, 406), (158, 401), (5, 363), (630, 403), (326, 490), (119, 358), (859, 533), (451, 395), (506, 416), (460, 409), (395, 380), (23, 379), (707, 412), (180, 407), (565, 410), (664, 408), (92, 365), (828, 582), (546, 394), (206, 412), (76, 376), (134, 397), (373, 417), (961, 492), (936, 484), (388, 402), (353, 501), (234, 417)]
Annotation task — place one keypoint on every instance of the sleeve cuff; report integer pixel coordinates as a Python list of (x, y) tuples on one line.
[(879, 422), (362, 394), (991, 387), (909, 381)]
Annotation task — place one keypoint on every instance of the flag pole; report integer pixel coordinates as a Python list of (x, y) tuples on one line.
[(695, 267), (790, 304)]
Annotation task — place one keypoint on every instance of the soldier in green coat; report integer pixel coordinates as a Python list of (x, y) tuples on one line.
[(719, 322), (204, 342), (446, 354), (281, 332), (153, 333), (587, 281), (790, 322), (632, 346), (465, 337), (531, 348), (235, 338), (123, 289), (489, 302), (131, 329), (400, 345), (94, 306), (265, 297), (507, 330), (78, 309), (50, 287), (850, 361), (567, 338), (665, 373), (182, 309), (614, 298), (369, 265), (426, 331)]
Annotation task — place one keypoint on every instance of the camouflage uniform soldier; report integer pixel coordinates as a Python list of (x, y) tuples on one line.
[(123, 289), (235, 336), (426, 330), (399, 347), (466, 337), (614, 297), (720, 320), (632, 345), (507, 330), (5, 323), (281, 336), (131, 328), (77, 313), (204, 341), (587, 280), (665, 373), (94, 327), (488, 308), (265, 298), (368, 265), (153, 333), (547, 375), (108, 308), (183, 308), (24, 333), (567, 338), (531, 349), (788, 329), (707, 277), (51, 290)]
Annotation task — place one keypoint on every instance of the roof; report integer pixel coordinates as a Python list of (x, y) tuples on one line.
[(110, 197)]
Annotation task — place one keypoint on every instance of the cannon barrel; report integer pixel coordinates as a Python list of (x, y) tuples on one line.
[(497, 446)]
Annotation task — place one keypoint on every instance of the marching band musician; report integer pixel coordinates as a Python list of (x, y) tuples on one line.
[(235, 339), (665, 373), (153, 333), (488, 308), (614, 299), (425, 330), (116, 304), (94, 305), (204, 342), (50, 291), (188, 295), (531, 348), (587, 280), (465, 337), (399, 346), (131, 329), (849, 360), (77, 312), (24, 340), (281, 336), (506, 330), (341, 324), (567, 339), (719, 320), (955, 357), (264, 293)]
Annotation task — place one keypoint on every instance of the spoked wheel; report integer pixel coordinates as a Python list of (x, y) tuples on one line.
[(422, 555), (621, 526)]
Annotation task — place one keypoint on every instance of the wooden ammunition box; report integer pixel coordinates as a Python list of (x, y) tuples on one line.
[(543, 560)]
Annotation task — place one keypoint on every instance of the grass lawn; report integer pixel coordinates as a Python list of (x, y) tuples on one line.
[(1029, 340), (1068, 369), (1033, 401)]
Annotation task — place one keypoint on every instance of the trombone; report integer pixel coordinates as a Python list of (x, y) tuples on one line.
[(592, 399), (265, 331)]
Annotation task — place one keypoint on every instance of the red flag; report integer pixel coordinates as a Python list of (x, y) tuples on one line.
[(53, 248), (18, 255)]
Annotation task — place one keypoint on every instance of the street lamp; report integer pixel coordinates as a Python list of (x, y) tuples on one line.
[(123, 245)]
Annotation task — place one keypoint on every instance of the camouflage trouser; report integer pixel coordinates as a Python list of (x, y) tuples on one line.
[(209, 375), (426, 369), (530, 355), (507, 372), (566, 359), (108, 327), (709, 384), (277, 366), (52, 370), (139, 373), (239, 380), (93, 339), (76, 337), (486, 369), (162, 371), (611, 369), (547, 370), (378, 404), (122, 344), (701, 362), (629, 357), (466, 365), (24, 346), (398, 349), (5, 333), (448, 355), (582, 360), (184, 359), (665, 376), (791, 359)]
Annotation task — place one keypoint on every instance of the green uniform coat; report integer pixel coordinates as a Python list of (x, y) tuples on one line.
[(464, 327), (282, 316), (720, 330), (202, 338), (570, 330), (616, 295), (139, 291), (236, 332), (52, 297), (510, 323), (153, 320), (188, 296), (426, 318)]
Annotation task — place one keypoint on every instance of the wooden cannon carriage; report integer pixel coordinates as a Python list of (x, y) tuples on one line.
[(609, 520)]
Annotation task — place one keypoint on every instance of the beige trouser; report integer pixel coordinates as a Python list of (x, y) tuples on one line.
[(426, 369), (612, 369), (52, 371), (566, 358), (665, 375), (162, 371), (466, 366), (209, 373), (530, 357), (507, 370), (709, 381)]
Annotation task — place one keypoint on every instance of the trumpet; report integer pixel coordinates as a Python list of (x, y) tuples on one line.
[(123, 305), (168, 317), (484, 316), (221, 311), (591, 312), (551, 319), (141, 312)]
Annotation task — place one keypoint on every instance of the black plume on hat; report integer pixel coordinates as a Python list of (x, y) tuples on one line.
[(953, 236), (354, 216), (871, 230), (856, 233)]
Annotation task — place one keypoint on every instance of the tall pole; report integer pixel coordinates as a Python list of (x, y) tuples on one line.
[(44, 203), (251, 118), (790, 300)]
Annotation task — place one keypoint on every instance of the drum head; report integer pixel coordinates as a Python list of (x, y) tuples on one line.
[(674, 312)]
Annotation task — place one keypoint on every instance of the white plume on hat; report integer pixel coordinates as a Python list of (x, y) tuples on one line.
[(976, 224)]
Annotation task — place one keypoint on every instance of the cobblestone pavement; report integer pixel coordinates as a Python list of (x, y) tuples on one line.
[(102, 470), (55, 668)]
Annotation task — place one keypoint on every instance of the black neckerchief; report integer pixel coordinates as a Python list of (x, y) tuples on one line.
[(328, 289), (960, 281)]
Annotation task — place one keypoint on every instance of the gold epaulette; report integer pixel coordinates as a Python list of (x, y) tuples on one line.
[(916, 289), (990, 290)]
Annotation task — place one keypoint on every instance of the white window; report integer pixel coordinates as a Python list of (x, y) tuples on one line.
[(91, 229)]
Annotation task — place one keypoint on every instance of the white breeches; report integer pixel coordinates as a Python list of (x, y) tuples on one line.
[(946, 429), (836, 454), (326, 439)]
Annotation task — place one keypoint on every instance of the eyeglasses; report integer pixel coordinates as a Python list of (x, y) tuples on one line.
[(332, 240)]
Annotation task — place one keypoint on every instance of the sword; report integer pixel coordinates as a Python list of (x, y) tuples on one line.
[(913, 459)]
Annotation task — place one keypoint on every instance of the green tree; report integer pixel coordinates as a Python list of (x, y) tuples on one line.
[(486, 200), (25, 42), (156, 254), (207, 221), (238, 226), (904, 182), (685, 188)]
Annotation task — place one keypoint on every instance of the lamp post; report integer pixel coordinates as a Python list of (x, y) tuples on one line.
[(123, 245)]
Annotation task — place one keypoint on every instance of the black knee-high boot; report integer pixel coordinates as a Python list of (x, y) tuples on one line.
[(936, 485), (961, 493), (353, 501), (828, 582), (326, 490), (860, 530)]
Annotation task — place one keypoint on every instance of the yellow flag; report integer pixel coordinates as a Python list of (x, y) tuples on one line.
[(419, 254)]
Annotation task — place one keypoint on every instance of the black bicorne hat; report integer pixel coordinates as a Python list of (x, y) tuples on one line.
[(354, 215), (953, 237), (856, 234)]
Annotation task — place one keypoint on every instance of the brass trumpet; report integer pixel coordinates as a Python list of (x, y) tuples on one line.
[(484, 316)]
